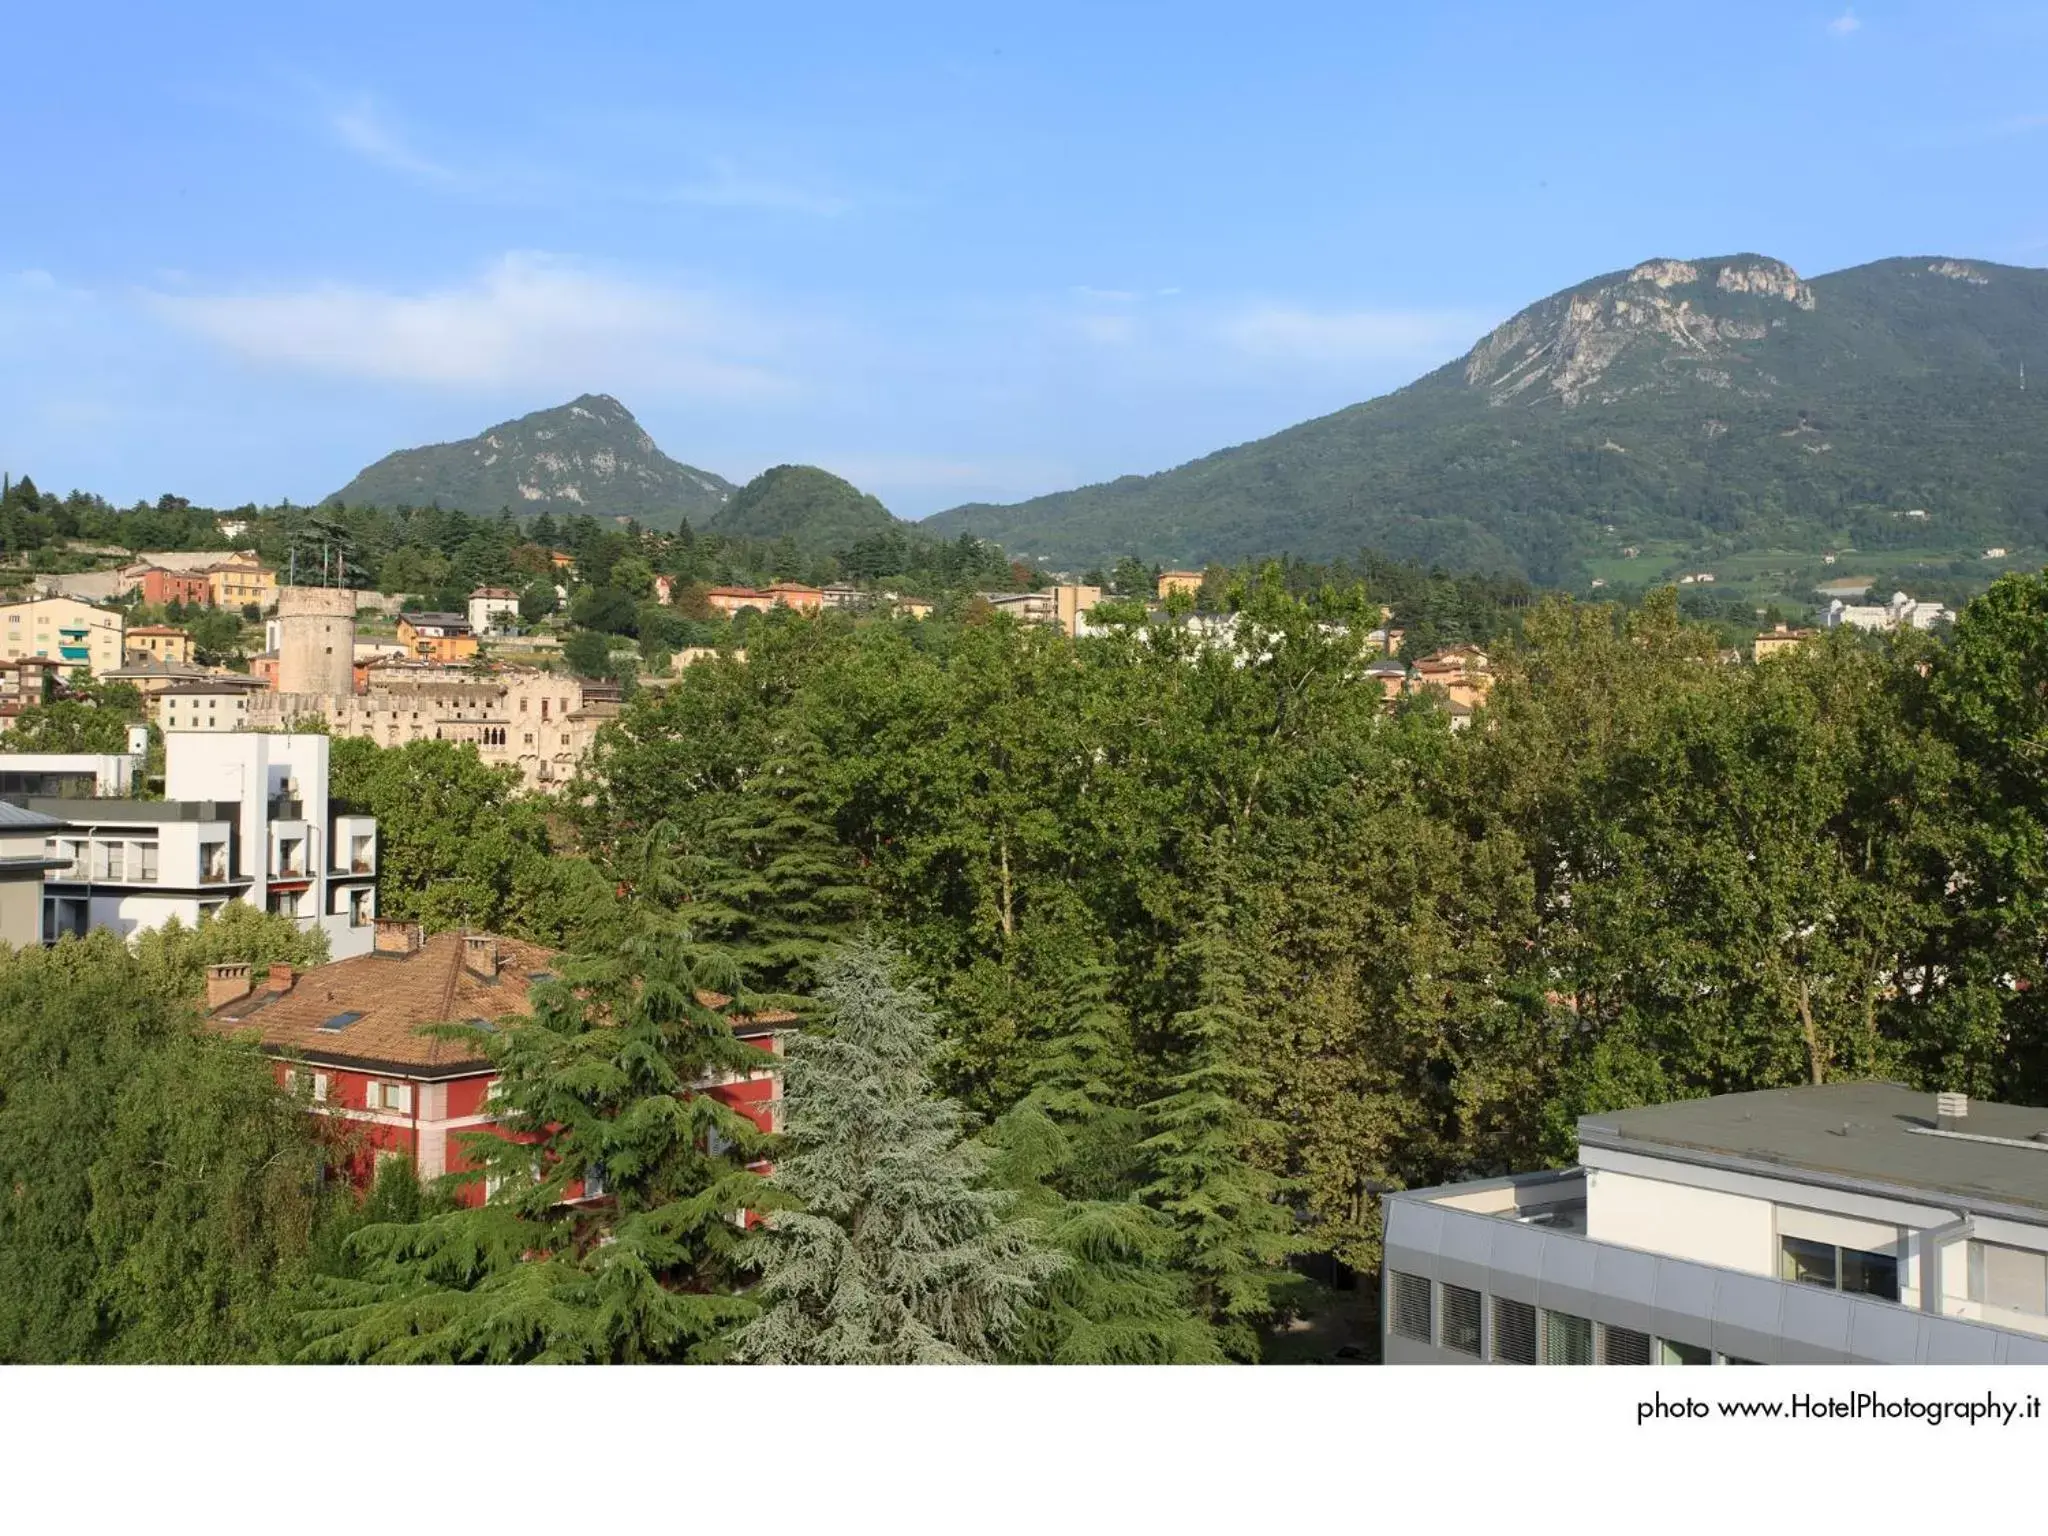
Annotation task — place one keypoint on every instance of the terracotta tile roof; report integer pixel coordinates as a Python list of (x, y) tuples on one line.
[(394, 996)]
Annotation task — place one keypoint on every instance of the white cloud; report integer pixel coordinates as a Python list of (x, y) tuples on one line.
[(362, 126), (1348, 336), (1105, 295), (1845, 24), (529, 322)]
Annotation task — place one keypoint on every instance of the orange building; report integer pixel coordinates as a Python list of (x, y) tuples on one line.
[(794, 594), (161, 588), (730, 600), (437, 636), (1171, 582), (161, 642)]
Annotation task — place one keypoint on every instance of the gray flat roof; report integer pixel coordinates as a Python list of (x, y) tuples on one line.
[(1862, 1133)]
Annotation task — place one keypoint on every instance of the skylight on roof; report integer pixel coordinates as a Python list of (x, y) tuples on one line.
[(340, 1021)]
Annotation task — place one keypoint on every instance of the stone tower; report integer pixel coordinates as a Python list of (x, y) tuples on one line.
[(316, 645)]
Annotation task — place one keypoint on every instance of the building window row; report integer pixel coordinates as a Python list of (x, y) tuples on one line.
[(1451, 1316)]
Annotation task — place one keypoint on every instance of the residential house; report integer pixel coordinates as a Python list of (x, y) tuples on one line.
[(1462, 672), (161, 588), (151, 677), (913, 607), (1171, 582), (212, 705), (795, 594), (437, 636), (841, 596), (733, 600), (493, 608), (25, 683), (1777, 640), (240, 581), (264, 665), (75, 634), (161, 642), (354, 1029), (1852, 1223), (245, 816)]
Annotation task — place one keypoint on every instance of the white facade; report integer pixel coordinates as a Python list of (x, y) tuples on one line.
[(81, 773), (486, 608), (1901, 612), (245, 817), (196, 708)]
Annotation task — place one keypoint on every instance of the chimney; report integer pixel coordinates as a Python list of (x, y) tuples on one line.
[(225, 983), (397, 936), (281, 979), (1950, 1110), (480, 954)]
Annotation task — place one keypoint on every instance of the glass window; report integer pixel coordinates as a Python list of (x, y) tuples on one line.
[(1870, 1274), (2013, 1278), (1623, 1346), (1461, 1320), (1514, 1332), (1567, 1340), (1671, 1352), (1807, 1262), (1408, 1306)]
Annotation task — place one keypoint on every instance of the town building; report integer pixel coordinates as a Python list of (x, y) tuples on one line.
[(74, 775), (797, 595), (161, 588), (211, 705), (1902, 612), (1462, 673), (244, 817), (241, 581), (25, 683), (75, 634), (540, 723), (1849, 1223), (733, 600), (842, 597), (355, 1028), (1777, 640), (432, 637), (160, 642), (494, 608), (24, 860), (913, 607), (1171, 582)]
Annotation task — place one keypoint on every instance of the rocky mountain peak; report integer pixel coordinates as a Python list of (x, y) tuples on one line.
[(1690, 317)]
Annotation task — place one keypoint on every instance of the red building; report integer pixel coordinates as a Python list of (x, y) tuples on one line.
[(355, 1027), (163, 587)]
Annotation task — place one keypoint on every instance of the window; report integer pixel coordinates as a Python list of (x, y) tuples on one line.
[(395, 1097), (340, 1021), (1671, 1352), (1567, 1340), (145, 861), (359, 913), (319, 1087), (2015, 1279), (1408, 1307), (1514, 1332), (1623, 1346), (1461, 1320), (1807, 1262), (594, 1186)]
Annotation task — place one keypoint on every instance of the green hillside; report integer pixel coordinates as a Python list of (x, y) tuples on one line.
[(588, 456), (1718, 410), (820, 511)]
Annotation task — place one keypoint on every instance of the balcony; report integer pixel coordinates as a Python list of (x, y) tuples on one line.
[(284, 808)]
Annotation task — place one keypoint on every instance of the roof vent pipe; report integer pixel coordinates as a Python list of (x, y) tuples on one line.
[(1950, 1110)]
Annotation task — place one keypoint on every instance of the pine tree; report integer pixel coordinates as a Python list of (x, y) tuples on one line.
[(599, 1085), (898, 1255), (1070, 1152), (1234, 1232), (779, 890)]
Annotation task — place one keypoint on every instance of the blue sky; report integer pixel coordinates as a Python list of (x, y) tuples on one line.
[(953, 252)]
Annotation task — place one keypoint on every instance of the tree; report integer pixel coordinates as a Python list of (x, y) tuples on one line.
[(173, 958), (597, 1088), (538, 601), (588, 653), (68, 727), (164, 1187), (898, 1255), (1234, 1233)]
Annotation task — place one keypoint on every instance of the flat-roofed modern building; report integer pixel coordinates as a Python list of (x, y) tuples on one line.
[(1850, 1224)]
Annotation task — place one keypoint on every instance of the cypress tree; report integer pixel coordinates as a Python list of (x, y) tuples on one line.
[(898, 1255)]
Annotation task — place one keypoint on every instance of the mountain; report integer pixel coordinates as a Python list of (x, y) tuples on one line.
[(1722, 408), (587, 456), (822, 512)]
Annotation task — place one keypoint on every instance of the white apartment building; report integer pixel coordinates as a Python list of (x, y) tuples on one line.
[(489, 605), (76, 634), (1851, 1223), (1902, 612), (245, 817), (201, 707)]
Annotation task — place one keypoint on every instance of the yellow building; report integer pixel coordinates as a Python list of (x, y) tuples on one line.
[(240, 580), (76, 635), (1171, 582), (1773, 641), (160, 642)]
